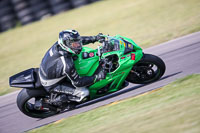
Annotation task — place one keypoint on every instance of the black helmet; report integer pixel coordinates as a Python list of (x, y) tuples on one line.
[(70, 41)]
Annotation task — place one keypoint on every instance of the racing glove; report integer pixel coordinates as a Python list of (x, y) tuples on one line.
[(100, 37)]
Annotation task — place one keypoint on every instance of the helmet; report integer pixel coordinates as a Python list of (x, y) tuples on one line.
[(70, 41)]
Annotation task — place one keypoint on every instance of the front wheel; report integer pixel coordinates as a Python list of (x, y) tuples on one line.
[(26, 101), (149, 69)]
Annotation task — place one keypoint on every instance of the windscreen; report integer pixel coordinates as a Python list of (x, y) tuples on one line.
[(114, 44)]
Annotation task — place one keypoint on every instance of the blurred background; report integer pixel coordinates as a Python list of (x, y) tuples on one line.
[(21, 12), (30, 27)]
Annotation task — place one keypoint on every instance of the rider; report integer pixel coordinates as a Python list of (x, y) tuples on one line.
[(57, 65)]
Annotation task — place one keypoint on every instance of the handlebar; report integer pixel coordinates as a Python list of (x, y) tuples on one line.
[(99, 51), (108, 44), (103, 42)]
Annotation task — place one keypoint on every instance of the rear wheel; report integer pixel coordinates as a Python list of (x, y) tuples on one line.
[(149, 69), (26, 101)]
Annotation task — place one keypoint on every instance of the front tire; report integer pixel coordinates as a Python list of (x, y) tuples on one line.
[(26, 107), (149, 69)]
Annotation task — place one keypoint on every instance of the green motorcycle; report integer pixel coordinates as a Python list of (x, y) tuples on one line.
[(121, 58)]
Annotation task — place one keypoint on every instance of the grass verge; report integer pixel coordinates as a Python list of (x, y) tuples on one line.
[(147, 22), (174, 108)]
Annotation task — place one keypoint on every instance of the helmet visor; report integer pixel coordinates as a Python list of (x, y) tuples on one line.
[(76, 45)]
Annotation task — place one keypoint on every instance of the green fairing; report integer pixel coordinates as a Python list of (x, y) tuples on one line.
[(86, 67), (114, 80)]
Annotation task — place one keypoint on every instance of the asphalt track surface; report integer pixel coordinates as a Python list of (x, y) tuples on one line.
[(182, 57)]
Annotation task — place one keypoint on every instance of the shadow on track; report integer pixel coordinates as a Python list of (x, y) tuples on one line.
[(114, 94), (123, 91)]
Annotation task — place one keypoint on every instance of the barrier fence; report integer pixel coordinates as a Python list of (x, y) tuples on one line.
[(22, 12)]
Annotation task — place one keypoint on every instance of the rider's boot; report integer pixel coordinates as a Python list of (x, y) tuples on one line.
[(79, 95), (73, 94)]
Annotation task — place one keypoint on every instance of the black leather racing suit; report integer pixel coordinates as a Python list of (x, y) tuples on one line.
[(57, 65)]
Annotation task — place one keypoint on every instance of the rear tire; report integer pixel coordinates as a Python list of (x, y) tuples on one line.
[(143, 71), (27, 108)]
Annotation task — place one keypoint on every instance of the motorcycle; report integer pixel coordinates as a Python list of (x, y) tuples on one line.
[(120, 57)]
